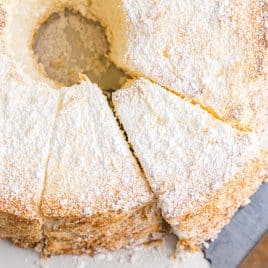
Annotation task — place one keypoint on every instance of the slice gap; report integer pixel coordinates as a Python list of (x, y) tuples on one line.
[(69, 48)]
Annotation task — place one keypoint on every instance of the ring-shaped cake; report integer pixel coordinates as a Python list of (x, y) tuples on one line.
[(179, 143)]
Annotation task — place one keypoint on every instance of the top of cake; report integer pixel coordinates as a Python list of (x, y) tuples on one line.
[(185, 152), (62, 147), (90, 167), (211, 52)]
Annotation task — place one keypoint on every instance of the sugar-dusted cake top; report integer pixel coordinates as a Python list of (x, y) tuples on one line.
[(27, 112), (90, 167), (209, 51), (185, 152)]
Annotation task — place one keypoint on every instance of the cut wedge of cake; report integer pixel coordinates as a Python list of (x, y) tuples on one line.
[(96, 197), (201, 169), (27, 112), (208, 51)]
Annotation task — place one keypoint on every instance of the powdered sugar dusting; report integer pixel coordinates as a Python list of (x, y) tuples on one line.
[(213, 56), (26, 117), (184, 151), (90, 165), (215, 49)]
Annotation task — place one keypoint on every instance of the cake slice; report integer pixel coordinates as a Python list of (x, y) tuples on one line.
[(27, 113), (201, 169), (208, 51), (96, 197)]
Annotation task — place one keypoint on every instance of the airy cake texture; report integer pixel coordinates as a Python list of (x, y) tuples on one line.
[(195, 163), (72, 181)]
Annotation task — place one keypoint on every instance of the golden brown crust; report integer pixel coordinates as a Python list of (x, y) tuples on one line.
[(234, 42), (106, 232), (23, 232), (205, 222)]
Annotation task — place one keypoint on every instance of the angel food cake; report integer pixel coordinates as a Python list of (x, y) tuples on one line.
[(82, 174)]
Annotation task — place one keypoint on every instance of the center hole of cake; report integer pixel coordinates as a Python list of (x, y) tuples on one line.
[(69, 47)]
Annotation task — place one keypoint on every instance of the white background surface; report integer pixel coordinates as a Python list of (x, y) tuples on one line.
[(157, 257)]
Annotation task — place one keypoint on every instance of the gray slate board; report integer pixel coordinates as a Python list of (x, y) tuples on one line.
[(246, 228)]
